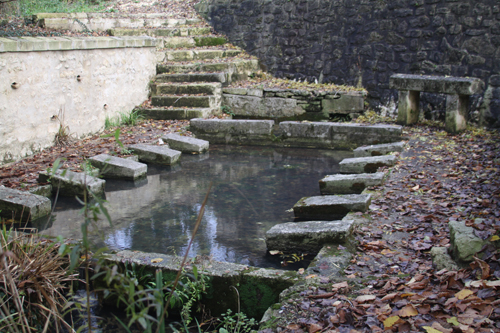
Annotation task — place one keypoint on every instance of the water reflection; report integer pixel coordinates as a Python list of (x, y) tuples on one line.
[(253, 189)]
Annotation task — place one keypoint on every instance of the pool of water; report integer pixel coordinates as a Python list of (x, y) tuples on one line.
[(253, 189)]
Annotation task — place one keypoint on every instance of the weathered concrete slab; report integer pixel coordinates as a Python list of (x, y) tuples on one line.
[(347, 103), (186, 144), (436, 84), (22, 205), (307, 236), (336, 135), (156, 154), (233, 131), (259, 107), (350, 184), (115, 167), (464, 243), (366, 164), (377, 150), (70, 183), (330, 207)]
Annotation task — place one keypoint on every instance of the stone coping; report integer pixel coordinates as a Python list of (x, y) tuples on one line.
[(33, 44), (40, 16)]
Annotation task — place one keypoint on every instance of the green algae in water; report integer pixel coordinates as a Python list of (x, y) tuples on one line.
[(254, 189)]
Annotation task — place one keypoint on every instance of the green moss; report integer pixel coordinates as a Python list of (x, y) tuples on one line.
[(209, 41), (256, 298)]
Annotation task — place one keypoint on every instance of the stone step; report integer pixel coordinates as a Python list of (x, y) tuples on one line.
[(185, 100), (377, 150), (199, 54), (70, 183), (174, 114), (192, 88), (169, 32), (330, 207), (186, 144), (307, 236), (22, 205), (194, 41), (192, 77), (350, 184), (247, 66), (239, 131), (366, 164), (156, 154), (116, 167)]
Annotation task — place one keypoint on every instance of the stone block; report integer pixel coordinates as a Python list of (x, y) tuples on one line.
[(330, 207), (70, 183), (258, 107), (186, 144), (456, 113), (235, 91), (350, 184), (377, 150), (307, 236), (252, 132), (366, 164), (437, 84), (22, 205), (442, 259), (115, 167), (156, 154), (343, 105), (464, 243)]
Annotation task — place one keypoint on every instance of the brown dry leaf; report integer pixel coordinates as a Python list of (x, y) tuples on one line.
[(365, 298), (464, 293), (492, 283), (408, 311), (429, 329), (313, 328), (440, 328), (389, 296), (293, 327), (485, 268), (340, 285), (389, 322)]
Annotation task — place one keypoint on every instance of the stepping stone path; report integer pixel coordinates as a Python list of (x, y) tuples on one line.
[(330, 207), (377, 150), (156, 154), (186, 144), (307, 236), (70, 183), (350, 184), (116, 167), (366, 164), (23, 205)]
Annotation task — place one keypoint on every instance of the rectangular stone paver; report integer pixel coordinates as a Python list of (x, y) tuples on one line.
[(350, 184), (70, 183), (186, 144), (115, 167), (23, 205), (307, 236), (156, 154), (330, 207), (377, 150), (366, 164)]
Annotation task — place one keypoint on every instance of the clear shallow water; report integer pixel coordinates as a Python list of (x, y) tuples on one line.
[(253, 187)]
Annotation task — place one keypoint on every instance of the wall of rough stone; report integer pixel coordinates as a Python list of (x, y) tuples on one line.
[(72, 82), (363, 42)]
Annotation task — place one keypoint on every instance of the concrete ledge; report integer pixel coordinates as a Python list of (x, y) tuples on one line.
[(23, 205), (366, 164), (350, 184), (233, 131), (436, 84), (307, 236), (115, 167), (377, 150), (156, 154), (30, 44), (73, 183), (330, 207), (186, 144)]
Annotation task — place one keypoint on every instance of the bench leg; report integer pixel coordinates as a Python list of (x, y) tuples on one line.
[(408, 107), (456, 113)]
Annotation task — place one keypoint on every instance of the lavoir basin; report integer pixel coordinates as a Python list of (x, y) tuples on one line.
[(253, 189)]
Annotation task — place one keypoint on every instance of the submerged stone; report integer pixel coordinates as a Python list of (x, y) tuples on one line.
[(377, 150), (307, 236), (366, 164), (350, 184), (186, 144), (70, 183), (115, 167), (23, 205), (155, 154), (330, 207)]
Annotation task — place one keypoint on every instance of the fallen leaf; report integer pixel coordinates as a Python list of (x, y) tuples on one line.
[(408, 311), (389, 322), (274, 252), (156, 260), (464, 293), (365, 298), (429, 329)]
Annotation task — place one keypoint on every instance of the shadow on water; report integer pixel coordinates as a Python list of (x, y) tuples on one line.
[(254, 189)]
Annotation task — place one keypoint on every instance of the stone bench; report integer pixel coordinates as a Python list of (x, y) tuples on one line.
[(457, 101)]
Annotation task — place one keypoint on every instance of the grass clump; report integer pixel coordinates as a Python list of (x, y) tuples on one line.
[(30, 7), (128, 119)]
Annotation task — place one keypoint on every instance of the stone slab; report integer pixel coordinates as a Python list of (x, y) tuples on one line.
[(436, 84), (330, 207), (377, 150), (464, 243), (186, 144), (259, 107), (366, 164), (307, 236), (346, 104), (155, 154), (23, 205), (70, 183), (350, 184), (442, 259), (115, 167)]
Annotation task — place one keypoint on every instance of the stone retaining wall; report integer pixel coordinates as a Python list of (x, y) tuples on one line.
[(50, 83), (363, 42)]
